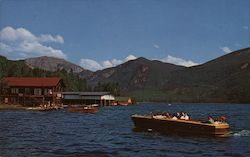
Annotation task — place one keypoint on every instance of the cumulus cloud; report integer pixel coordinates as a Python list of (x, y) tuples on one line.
[(21, 43), (50, 38), (90, 64), (130, 57), (226, 49), (94, 65), (21, 34), (156, 46), (178, 61)]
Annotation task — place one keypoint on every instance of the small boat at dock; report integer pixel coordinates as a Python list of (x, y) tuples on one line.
[(86, 109), (168, 125), (43, 108)]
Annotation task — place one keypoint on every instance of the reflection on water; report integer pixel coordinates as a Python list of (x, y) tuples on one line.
[(110, 133)]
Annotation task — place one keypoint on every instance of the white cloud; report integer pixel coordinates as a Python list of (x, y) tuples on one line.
[(226, 49), (178, 61), (21, 43), (245, 27), (50, 38), (4, 48), (94, 65), (107, 64), (156, 46), (21, 34), (90, 64), (130, 57), (117, 61)]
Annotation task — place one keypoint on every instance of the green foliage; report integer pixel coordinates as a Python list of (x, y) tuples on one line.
[(112, 87)]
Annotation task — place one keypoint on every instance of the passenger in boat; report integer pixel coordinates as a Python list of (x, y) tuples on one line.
[(167, 115), (222, 119), (178, 115), (174, 118), (182, 116), (186, 116), (210, 120)]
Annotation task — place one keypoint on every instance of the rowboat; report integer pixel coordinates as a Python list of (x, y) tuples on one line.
[(169, 125)]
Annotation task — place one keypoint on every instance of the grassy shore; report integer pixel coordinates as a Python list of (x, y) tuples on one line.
[(11, 107)]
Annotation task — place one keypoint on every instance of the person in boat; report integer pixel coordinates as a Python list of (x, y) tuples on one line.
[(222, 119), (167, 115), (176, 116), (184, 116), (210, 120)]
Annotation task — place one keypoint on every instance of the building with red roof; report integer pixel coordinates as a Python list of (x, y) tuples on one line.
[(32, 91)]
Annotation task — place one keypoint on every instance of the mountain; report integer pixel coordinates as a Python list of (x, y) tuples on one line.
[(71, 81), (54, 64), (224, 79), (136, 74)]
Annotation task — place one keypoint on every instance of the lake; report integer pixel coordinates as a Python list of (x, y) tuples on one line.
[(110, 133)]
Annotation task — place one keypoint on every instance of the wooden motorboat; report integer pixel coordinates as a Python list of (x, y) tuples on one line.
[(169, 125), (87, 109)]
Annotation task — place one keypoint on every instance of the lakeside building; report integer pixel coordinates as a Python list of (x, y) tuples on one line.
[(88, 98), (32, 91)]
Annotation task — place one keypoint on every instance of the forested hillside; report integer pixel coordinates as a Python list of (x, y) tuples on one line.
[(19, 68)]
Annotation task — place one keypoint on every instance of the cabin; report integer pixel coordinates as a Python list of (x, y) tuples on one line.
[(32, 91), (88, 98), (122, 101)]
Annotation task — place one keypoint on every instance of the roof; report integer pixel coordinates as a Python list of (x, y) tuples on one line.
[(87, 93), (32, 81)]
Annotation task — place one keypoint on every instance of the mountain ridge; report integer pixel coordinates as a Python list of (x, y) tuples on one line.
[(53, 64), (223, 79)]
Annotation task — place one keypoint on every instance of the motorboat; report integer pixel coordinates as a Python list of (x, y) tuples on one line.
[(169, 125), (85, 109)]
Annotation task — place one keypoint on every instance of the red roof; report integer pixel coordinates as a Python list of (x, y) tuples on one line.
[(32, 81)]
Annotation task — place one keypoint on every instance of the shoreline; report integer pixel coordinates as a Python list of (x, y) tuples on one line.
[(12, 107)]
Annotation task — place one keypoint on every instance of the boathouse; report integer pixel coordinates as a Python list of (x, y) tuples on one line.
[(32, 91), (88, 98)]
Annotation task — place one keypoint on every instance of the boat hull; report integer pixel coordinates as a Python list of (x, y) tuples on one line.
[(179, 126), (83, 110)]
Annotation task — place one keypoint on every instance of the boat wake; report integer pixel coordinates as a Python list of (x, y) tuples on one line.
[(242, 133)]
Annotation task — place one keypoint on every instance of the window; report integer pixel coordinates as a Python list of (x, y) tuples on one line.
[(47, 91), (37, 91), (27, 91), (14, 90)]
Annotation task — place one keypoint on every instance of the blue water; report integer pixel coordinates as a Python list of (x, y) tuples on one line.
[(110, 133)]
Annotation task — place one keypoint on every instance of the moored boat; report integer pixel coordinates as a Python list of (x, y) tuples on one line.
[(169, 125), (86, 109)]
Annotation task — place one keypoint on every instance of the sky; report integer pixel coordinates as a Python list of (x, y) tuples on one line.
[(98, 34)]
